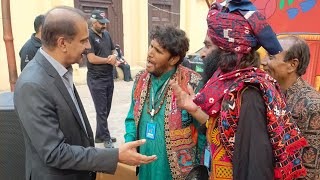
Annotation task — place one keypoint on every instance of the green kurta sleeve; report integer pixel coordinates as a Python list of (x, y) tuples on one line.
[(131, 130)]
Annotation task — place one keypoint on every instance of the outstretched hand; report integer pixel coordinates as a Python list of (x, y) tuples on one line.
[(184, 99), (128, 154)]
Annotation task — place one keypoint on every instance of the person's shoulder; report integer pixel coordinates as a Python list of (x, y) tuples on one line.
[(26, 45), (194, 76), (106, 33), (140, 74), (33, 72), (251, 91), (312, 99), (308, 94)]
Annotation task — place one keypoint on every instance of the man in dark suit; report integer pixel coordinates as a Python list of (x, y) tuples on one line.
[(58, 137)]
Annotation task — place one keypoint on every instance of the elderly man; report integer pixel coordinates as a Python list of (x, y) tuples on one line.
[(303, 100), (250, 134)]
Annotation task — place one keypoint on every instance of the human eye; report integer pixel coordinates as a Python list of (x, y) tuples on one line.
[(84, 41), (271, 57), (158, 50)]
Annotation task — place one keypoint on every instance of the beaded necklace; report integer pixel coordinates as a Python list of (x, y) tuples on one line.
[(164, 91)]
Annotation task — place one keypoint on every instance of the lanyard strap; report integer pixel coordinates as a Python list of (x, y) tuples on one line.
[(153, 102)]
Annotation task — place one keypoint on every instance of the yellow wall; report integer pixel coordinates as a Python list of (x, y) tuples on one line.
[(135, 29), (22, 17), (193, 15)]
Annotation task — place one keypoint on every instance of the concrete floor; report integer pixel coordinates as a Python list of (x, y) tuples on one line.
[(119, 109)]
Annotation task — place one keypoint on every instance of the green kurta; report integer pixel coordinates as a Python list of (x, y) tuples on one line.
[(160, 168)]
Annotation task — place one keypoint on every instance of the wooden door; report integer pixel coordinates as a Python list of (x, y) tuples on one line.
[(163, 12), (113, 11)]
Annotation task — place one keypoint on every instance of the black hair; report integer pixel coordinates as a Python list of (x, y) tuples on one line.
[(172, 39), (299, 50), (229, 61), (38, 22)]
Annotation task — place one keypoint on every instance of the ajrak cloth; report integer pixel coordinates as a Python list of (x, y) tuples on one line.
[(221, 98)]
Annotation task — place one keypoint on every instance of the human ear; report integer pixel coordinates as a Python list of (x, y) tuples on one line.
[(293, 65), (61, 44), (174, 60)]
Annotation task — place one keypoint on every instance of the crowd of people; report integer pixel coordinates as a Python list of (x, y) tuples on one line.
[(237, 120)]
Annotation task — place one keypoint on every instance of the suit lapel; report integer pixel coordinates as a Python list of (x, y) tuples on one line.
[(63, 90), (60, 85), (85, 117)]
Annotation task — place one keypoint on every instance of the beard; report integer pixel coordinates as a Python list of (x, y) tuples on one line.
[(159, 71), (99, 30), (211, 64)]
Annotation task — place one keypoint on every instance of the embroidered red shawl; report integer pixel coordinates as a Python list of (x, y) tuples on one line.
[(285, 136)]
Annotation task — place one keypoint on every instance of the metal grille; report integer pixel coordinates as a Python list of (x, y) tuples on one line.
[(12, 149)]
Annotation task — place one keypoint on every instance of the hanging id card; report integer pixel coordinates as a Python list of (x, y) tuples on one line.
[(151, 130), (207, 157)]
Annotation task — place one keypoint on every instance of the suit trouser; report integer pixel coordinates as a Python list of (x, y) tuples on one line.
[(101, 89)]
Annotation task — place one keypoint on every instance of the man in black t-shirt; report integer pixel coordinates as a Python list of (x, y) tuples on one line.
[(30, 48), (101, 59)]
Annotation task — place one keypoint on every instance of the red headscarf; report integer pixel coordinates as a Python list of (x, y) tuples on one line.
[(222, 92), (240, 31)]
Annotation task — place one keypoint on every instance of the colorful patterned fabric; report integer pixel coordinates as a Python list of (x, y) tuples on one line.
[(220, 98), (180, 137), (304, 103), (220, 162), (240, 31)]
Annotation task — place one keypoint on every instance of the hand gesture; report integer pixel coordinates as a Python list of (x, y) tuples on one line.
[(184, 99), (111, 59), (128, 154)]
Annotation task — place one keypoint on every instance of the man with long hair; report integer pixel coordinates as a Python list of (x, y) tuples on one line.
[(249, 132)]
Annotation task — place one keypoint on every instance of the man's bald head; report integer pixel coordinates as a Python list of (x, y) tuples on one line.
[(60, 21), (296, 48)]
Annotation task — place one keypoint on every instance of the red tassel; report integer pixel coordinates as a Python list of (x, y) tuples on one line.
[(277, 173), (283, 172), (297, 174), (291, 148)]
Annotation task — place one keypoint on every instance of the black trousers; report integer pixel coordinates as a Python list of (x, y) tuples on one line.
[(101, 89), (126, 72)]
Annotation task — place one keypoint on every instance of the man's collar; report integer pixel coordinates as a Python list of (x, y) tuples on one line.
[(296, 87)]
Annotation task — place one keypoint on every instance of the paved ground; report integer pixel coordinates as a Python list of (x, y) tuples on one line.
[(120, 107)]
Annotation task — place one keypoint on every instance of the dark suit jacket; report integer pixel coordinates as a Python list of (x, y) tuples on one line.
[(57, 146)]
